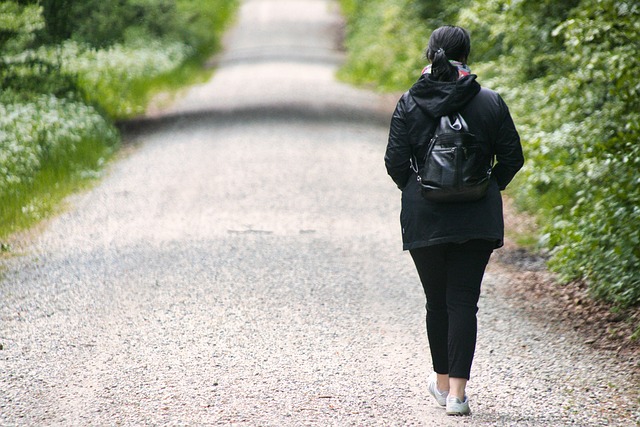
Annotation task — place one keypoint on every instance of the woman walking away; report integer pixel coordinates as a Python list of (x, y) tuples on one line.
[(451, 242)]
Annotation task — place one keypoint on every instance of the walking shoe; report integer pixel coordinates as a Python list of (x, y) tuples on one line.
[(441, 396), (457, 407)]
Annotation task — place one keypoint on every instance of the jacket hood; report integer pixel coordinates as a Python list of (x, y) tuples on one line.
[(438, 98)]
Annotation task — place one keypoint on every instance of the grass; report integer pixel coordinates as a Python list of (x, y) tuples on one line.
[(29, 203)]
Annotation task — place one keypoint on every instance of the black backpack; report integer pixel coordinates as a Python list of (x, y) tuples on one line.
[(456, 166)]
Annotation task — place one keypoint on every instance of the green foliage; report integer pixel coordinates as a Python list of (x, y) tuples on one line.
[(595, 233), (202, 22), (26, 77), (36, 198), (43, 129), (109, 78), (68, 68), (18, 25), (57, 14), (570, 72), (390, 55), (44, 142), (22, 75), (521, 31), (386, 39), (101, 24)]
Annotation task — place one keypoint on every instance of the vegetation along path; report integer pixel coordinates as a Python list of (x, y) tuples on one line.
[(242, 266)]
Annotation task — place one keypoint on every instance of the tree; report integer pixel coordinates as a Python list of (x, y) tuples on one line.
[(57, 17), (18, 25)]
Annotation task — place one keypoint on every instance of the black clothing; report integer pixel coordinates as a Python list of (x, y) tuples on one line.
[(414, 119), (451, 275), (451, 243)]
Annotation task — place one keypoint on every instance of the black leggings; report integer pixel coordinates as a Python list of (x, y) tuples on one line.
[(451, 274)]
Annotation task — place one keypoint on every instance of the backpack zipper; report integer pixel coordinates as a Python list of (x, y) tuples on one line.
[(459, 165)]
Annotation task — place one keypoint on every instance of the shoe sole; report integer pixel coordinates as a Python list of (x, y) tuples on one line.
[(459, 414)]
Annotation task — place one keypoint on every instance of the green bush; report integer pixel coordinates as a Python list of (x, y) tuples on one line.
[(32, 133), (68, 68), (386, 40), (103, 23), (595, 150), (100, 24), (44, 142), (107, 78)]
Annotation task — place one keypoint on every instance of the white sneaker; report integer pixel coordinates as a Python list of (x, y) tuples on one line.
[(441, 396), (457, 407)]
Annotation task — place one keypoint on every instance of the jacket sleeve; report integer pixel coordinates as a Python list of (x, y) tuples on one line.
[(507, 149), (397, 158)]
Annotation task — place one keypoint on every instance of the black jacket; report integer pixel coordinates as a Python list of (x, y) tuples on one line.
[(428, 223)]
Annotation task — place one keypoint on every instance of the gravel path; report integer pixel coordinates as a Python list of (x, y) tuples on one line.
[(242, 265)]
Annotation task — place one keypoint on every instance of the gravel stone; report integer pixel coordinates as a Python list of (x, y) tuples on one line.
[(242, 266)]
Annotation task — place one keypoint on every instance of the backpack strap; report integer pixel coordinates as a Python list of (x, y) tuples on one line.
[(426, 147)]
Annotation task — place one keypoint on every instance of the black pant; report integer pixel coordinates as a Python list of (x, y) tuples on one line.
[(451, 275)]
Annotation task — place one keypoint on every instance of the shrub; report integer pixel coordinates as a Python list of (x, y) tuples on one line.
[(18, 25), (107, 78), (384, 43), (100, 24), (386, 39), (589, 162), (68, 68), (48, 148), (103, 23), (33, 134)]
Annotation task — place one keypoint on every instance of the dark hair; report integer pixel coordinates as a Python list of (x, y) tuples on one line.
[(447, 43)]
